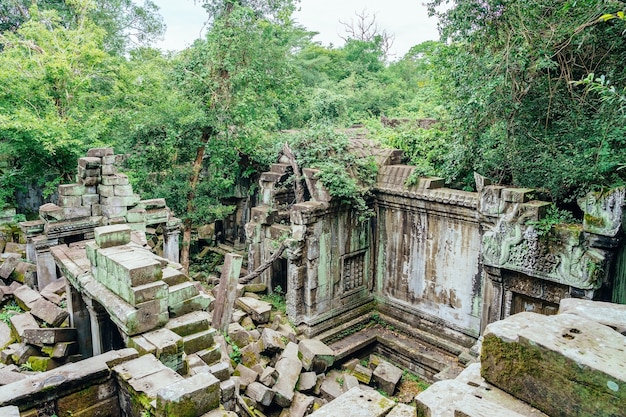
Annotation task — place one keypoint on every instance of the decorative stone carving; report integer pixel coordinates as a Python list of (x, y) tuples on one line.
[(603, 211)]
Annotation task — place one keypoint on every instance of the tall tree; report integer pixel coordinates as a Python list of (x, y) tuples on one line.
[(241, 73), (510, 76)]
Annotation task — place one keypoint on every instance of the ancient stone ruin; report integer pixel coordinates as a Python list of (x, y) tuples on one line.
[(430, 286)]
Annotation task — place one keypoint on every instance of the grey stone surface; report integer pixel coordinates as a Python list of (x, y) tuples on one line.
[(609, 314), (257, 309), (405, 410), (301, 405), (246, 375), (189, 397), (332, 385), (386, 376), (260, 393), (9, 411), (289, 368), (23, 321), (563, 364), (272, 341), (356, 403), (49, 312), (315, 355), (6, 337), (307, 381), (49, 335)]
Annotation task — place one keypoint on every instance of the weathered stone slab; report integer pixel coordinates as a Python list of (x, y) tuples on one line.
[(260, 393), (194, 322), (190, 397), (181, 292), (356, 403), (307, 381), (289, 368), (210, 355), (257, 309), (9, 265), (332, 385), (201, 301), (169, 347), (196, 342), (9, 411), (119, 201), (269, 376), (154, 203), (557, 364), (48, 312), (26, 296), (108, 236), (226, 292), (100, 152), (6, 336), (23, 352), (246, 375), (51, 212), (405, 410), (173, 276), (70, 200), (10, 374), (609, 314), (23, 321), (387, 376), (315, 355), (49, 335), (446, 398), (117, 179), (272, 341), (362, 373)]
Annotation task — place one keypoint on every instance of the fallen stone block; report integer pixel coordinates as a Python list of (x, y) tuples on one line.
[(9, 265), (26, 296), (362, 373), (200, 302), (100, 152), (386, 376), (24, 272), (250, 355), (195, 365), (61, 350), (42, 363), (333, 385), (117, 179), (405, 410), (190, 397), (356, 403), (49, 336), (238, 335), (6, 335), (49, 312), (196, 342), (51, 212), (23, 321), (556, 363), (169, 347), (257, 309), (246, 375), (9, 411), (609, 314), (220, 370), (307, 381), (109, 236), (315, 355), (210, 355), (22, 352), (272, 342), (260, 393), (194, 322), (180, 292), (301, 405), (269, 376), (289, 368)]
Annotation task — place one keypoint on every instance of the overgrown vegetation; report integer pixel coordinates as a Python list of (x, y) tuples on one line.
[(8, 310), (277, 299)]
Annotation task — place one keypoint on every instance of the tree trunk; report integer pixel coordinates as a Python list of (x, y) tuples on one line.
[(258, 271), (299, 191), (193, 182)]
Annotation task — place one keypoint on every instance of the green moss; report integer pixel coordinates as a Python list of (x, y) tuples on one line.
[(594, 221)]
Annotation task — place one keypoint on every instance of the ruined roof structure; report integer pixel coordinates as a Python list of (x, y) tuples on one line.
[(461, 288)]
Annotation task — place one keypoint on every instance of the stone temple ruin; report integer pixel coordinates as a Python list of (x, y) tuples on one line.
[(460, 288)]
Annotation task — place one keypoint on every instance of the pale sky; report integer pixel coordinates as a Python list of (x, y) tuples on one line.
[(407, 20)]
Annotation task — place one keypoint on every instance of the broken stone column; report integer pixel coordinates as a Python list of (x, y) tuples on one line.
[(564, 365), (170, 241), (227, 292)]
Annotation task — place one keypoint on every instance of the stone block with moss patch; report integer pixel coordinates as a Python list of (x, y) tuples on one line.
[(190, 397), (564, 365)]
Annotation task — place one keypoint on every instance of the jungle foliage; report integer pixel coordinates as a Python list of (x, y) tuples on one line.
[(526, 93)]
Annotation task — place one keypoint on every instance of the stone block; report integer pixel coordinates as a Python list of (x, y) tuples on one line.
[(210, 355), (362, 373), (156, 290), (169, 347), (260, 393), (9, 265), (113, 211), (141, 345), (357, 403), (221, 370), (49, 312), (77, 212), (10, 374), (108, 169), (136, 215), (49, 336), (190, 397), (181, 292), (63, 350), (198, 341), (71, 190), (51, 212), (106, 190), (26, 296), (117, 179), (119, 201), (195, 365), (155, 203), (387, 376), (70, 200), (405, 410), (272, 341), (89, 180), (258, 310), (315, 355), (90, 162), (250, 355), (136, 272), (228, 390), (173, 276), (123, 190), (246, 375), (332, 385), (156, 216), (194, 322), (6, 335), (9, 411), (23, 321), (99, 152), (289, 368), (96, 210), (609, 314), (301, 406), (556, 364), (269, 376), (110, 159), (117, 220), (199, 302), (238, 335), (89, 200), (108, 236), (24, 272), (23, 352)]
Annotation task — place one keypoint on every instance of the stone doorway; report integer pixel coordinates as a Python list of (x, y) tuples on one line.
[(521, 303)]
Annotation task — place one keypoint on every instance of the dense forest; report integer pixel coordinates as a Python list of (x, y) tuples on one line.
[(528, 93)]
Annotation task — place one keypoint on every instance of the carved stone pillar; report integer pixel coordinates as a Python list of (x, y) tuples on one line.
[(493, 296), (31, 229), (46, 268), (100, 327), (171, 235)]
